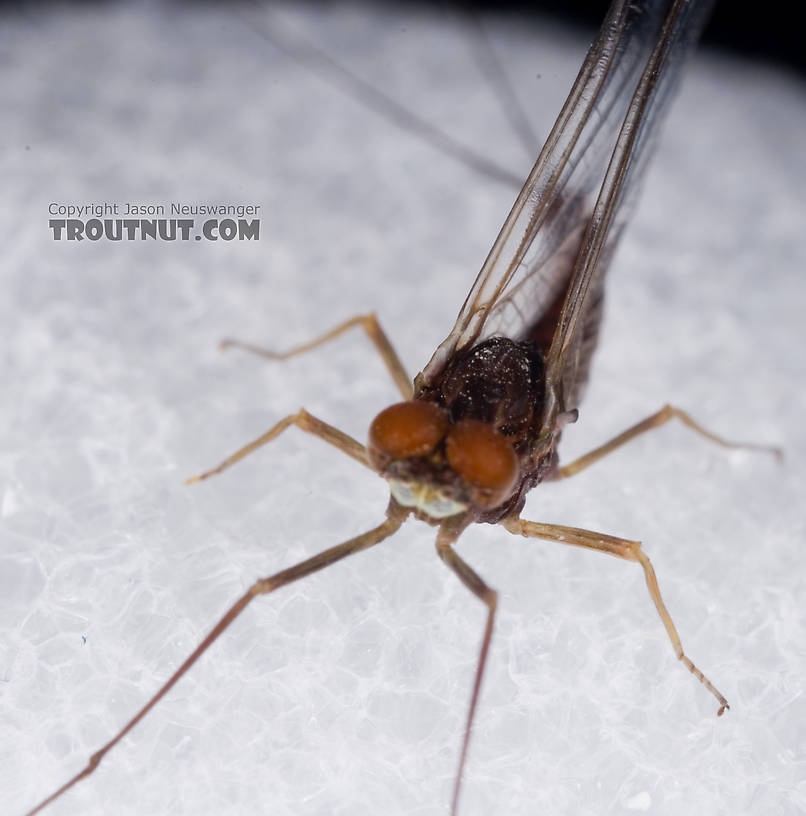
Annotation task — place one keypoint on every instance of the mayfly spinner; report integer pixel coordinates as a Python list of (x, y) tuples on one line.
[(481, 424)]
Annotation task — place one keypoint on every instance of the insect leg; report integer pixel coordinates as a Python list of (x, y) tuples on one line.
[(655, 421), (629, 551), (261, 587), (306, 422), (369, 323), (490, 598)]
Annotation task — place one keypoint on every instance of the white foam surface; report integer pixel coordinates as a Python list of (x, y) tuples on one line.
[(346, 693)]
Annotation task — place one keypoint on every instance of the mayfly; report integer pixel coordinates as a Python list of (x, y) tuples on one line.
[(480, 425)]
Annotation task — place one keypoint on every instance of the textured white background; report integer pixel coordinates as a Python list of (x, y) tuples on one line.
[(346, 694)]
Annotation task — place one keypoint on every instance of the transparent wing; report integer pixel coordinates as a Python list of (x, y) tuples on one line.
[(547, 262), (569, 355)]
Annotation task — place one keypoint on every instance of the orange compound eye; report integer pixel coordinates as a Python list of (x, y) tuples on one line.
[(404, 430), (484, 459)]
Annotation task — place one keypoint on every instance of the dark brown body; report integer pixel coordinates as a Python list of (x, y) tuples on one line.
[(500, 382)]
